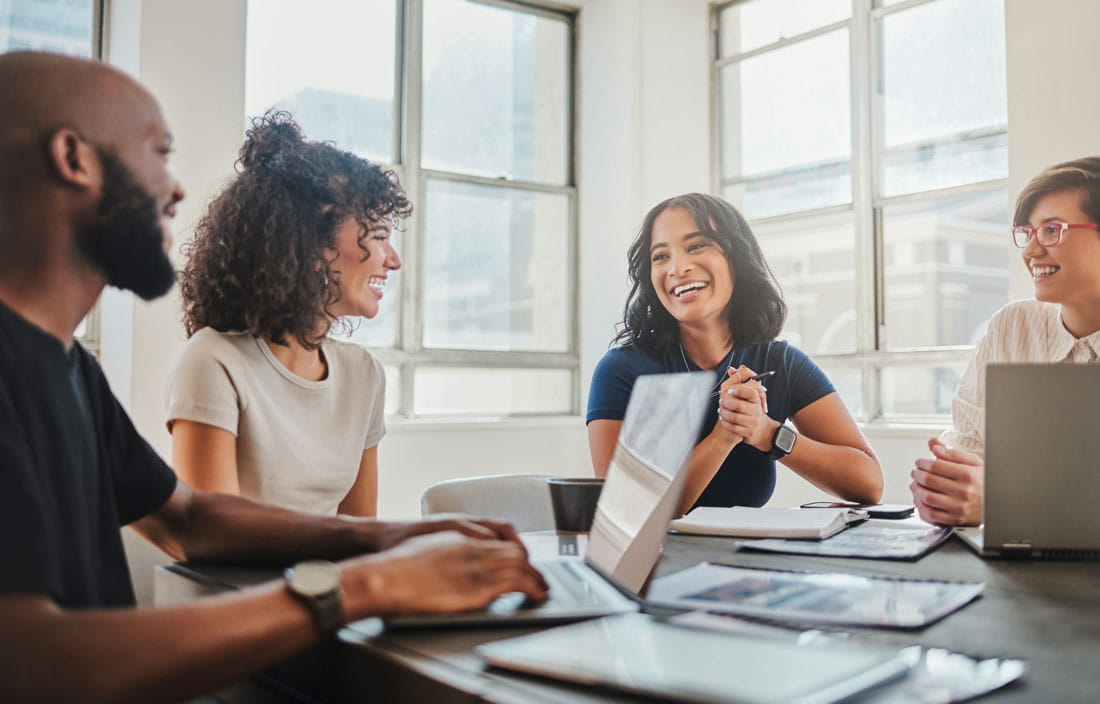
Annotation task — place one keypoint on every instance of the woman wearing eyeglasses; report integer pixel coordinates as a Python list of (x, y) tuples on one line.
[(1055, 227), (704, 298)]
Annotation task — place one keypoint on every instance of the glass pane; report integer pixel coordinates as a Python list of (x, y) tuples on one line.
[(393, 390), (945, 164), (946, 268), (814, 261), (751, 25), (920, 390), (517, 66), (848, 381), (943, 126), (56, 27), (467, 391), (496, 268), (790, 138), (796, 189), (331, 64)]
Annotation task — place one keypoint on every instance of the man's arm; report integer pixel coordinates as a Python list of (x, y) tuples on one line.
[(213, 527), (48, 654)]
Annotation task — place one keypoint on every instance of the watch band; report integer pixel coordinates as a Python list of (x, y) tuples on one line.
[(316, 584), (782, 442)]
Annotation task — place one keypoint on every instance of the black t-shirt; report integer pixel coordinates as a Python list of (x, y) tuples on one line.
[(72, 471)]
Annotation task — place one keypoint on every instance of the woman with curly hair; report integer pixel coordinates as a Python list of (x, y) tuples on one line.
[(703, 298), (261, 402)]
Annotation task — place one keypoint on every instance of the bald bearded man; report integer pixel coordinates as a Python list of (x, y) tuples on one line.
[(85, 200)]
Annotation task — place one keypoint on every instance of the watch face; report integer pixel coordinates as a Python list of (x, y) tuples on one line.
[(784, 438), (315, 577)]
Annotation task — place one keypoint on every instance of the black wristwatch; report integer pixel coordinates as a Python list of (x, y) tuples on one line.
[(782, 442), (316, 583)]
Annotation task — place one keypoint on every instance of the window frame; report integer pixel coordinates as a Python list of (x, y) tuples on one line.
[(408, 353), (871, 356)]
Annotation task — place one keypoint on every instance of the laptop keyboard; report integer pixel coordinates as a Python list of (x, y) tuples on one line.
[(570, 585)]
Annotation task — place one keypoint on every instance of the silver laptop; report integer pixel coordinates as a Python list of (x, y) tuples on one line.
[(638, 653), (1042, 455), (639, 496)]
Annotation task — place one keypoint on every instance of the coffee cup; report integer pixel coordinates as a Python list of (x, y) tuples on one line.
[(574, 502)]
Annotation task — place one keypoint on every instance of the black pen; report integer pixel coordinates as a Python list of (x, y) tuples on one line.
[(756, 377)]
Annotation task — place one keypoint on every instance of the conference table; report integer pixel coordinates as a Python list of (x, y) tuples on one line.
[(1047, 613)]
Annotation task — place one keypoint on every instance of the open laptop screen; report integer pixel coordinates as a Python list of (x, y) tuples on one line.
[(644, 479)]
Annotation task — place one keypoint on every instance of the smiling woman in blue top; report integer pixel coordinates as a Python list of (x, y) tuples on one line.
[(704, 298)]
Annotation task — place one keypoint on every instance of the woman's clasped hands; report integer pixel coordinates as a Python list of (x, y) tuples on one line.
[(743, 409)]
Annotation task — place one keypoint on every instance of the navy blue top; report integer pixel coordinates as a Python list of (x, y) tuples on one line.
[(747, 476)]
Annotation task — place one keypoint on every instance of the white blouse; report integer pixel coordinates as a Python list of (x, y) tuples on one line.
[(1022, 331)]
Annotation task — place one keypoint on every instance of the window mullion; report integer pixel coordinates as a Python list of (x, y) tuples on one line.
[(863, 76), (411, 296)]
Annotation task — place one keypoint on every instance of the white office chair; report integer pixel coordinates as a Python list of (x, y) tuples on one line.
[(521, 499)]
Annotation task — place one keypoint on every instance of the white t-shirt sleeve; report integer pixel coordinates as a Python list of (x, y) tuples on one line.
[(200, 387), (376, 429)]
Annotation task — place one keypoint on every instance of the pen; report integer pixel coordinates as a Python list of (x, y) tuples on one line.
[(756, 377)]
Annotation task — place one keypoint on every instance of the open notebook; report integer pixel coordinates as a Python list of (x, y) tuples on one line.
[(747, 522)]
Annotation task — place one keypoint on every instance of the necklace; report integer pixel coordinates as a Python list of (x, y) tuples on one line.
[(721, 369)]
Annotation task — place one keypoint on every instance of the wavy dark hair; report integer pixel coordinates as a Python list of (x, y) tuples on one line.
[(258, 262), (755, 311)]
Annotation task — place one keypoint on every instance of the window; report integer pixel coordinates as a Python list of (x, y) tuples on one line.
[(865, 141), (472, 104), (68, 27)]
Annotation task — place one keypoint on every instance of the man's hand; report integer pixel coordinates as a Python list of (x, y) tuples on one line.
[(948, 488), (389, 534), (439, 572)]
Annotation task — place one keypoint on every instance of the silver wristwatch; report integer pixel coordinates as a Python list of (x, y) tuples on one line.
[(316, 583)]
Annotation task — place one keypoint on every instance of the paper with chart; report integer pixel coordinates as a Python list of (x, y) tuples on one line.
[(823, 597)]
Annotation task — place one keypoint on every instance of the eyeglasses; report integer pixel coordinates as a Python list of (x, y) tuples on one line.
[(1049, 234)]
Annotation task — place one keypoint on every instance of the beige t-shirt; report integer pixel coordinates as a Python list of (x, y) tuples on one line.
[(299, 442)]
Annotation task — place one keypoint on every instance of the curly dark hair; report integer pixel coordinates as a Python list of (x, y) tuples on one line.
[(755, 311), (258, 262)]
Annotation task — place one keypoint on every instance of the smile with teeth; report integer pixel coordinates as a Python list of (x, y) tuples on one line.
[(688, 288), (377, 282), (1041, 271)]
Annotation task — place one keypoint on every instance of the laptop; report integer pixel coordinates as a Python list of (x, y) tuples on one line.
[(639, 497), (1042, 449), (638, 653)]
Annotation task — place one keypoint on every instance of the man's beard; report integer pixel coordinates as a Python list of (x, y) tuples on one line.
[(125, 241)]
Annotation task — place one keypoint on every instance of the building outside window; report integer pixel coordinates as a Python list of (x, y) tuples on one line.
[(472, 104), (865, 141), (69, 27)]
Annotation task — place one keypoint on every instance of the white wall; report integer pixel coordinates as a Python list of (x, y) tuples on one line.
[(643, 135), (1053, 93), (191, 57)]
